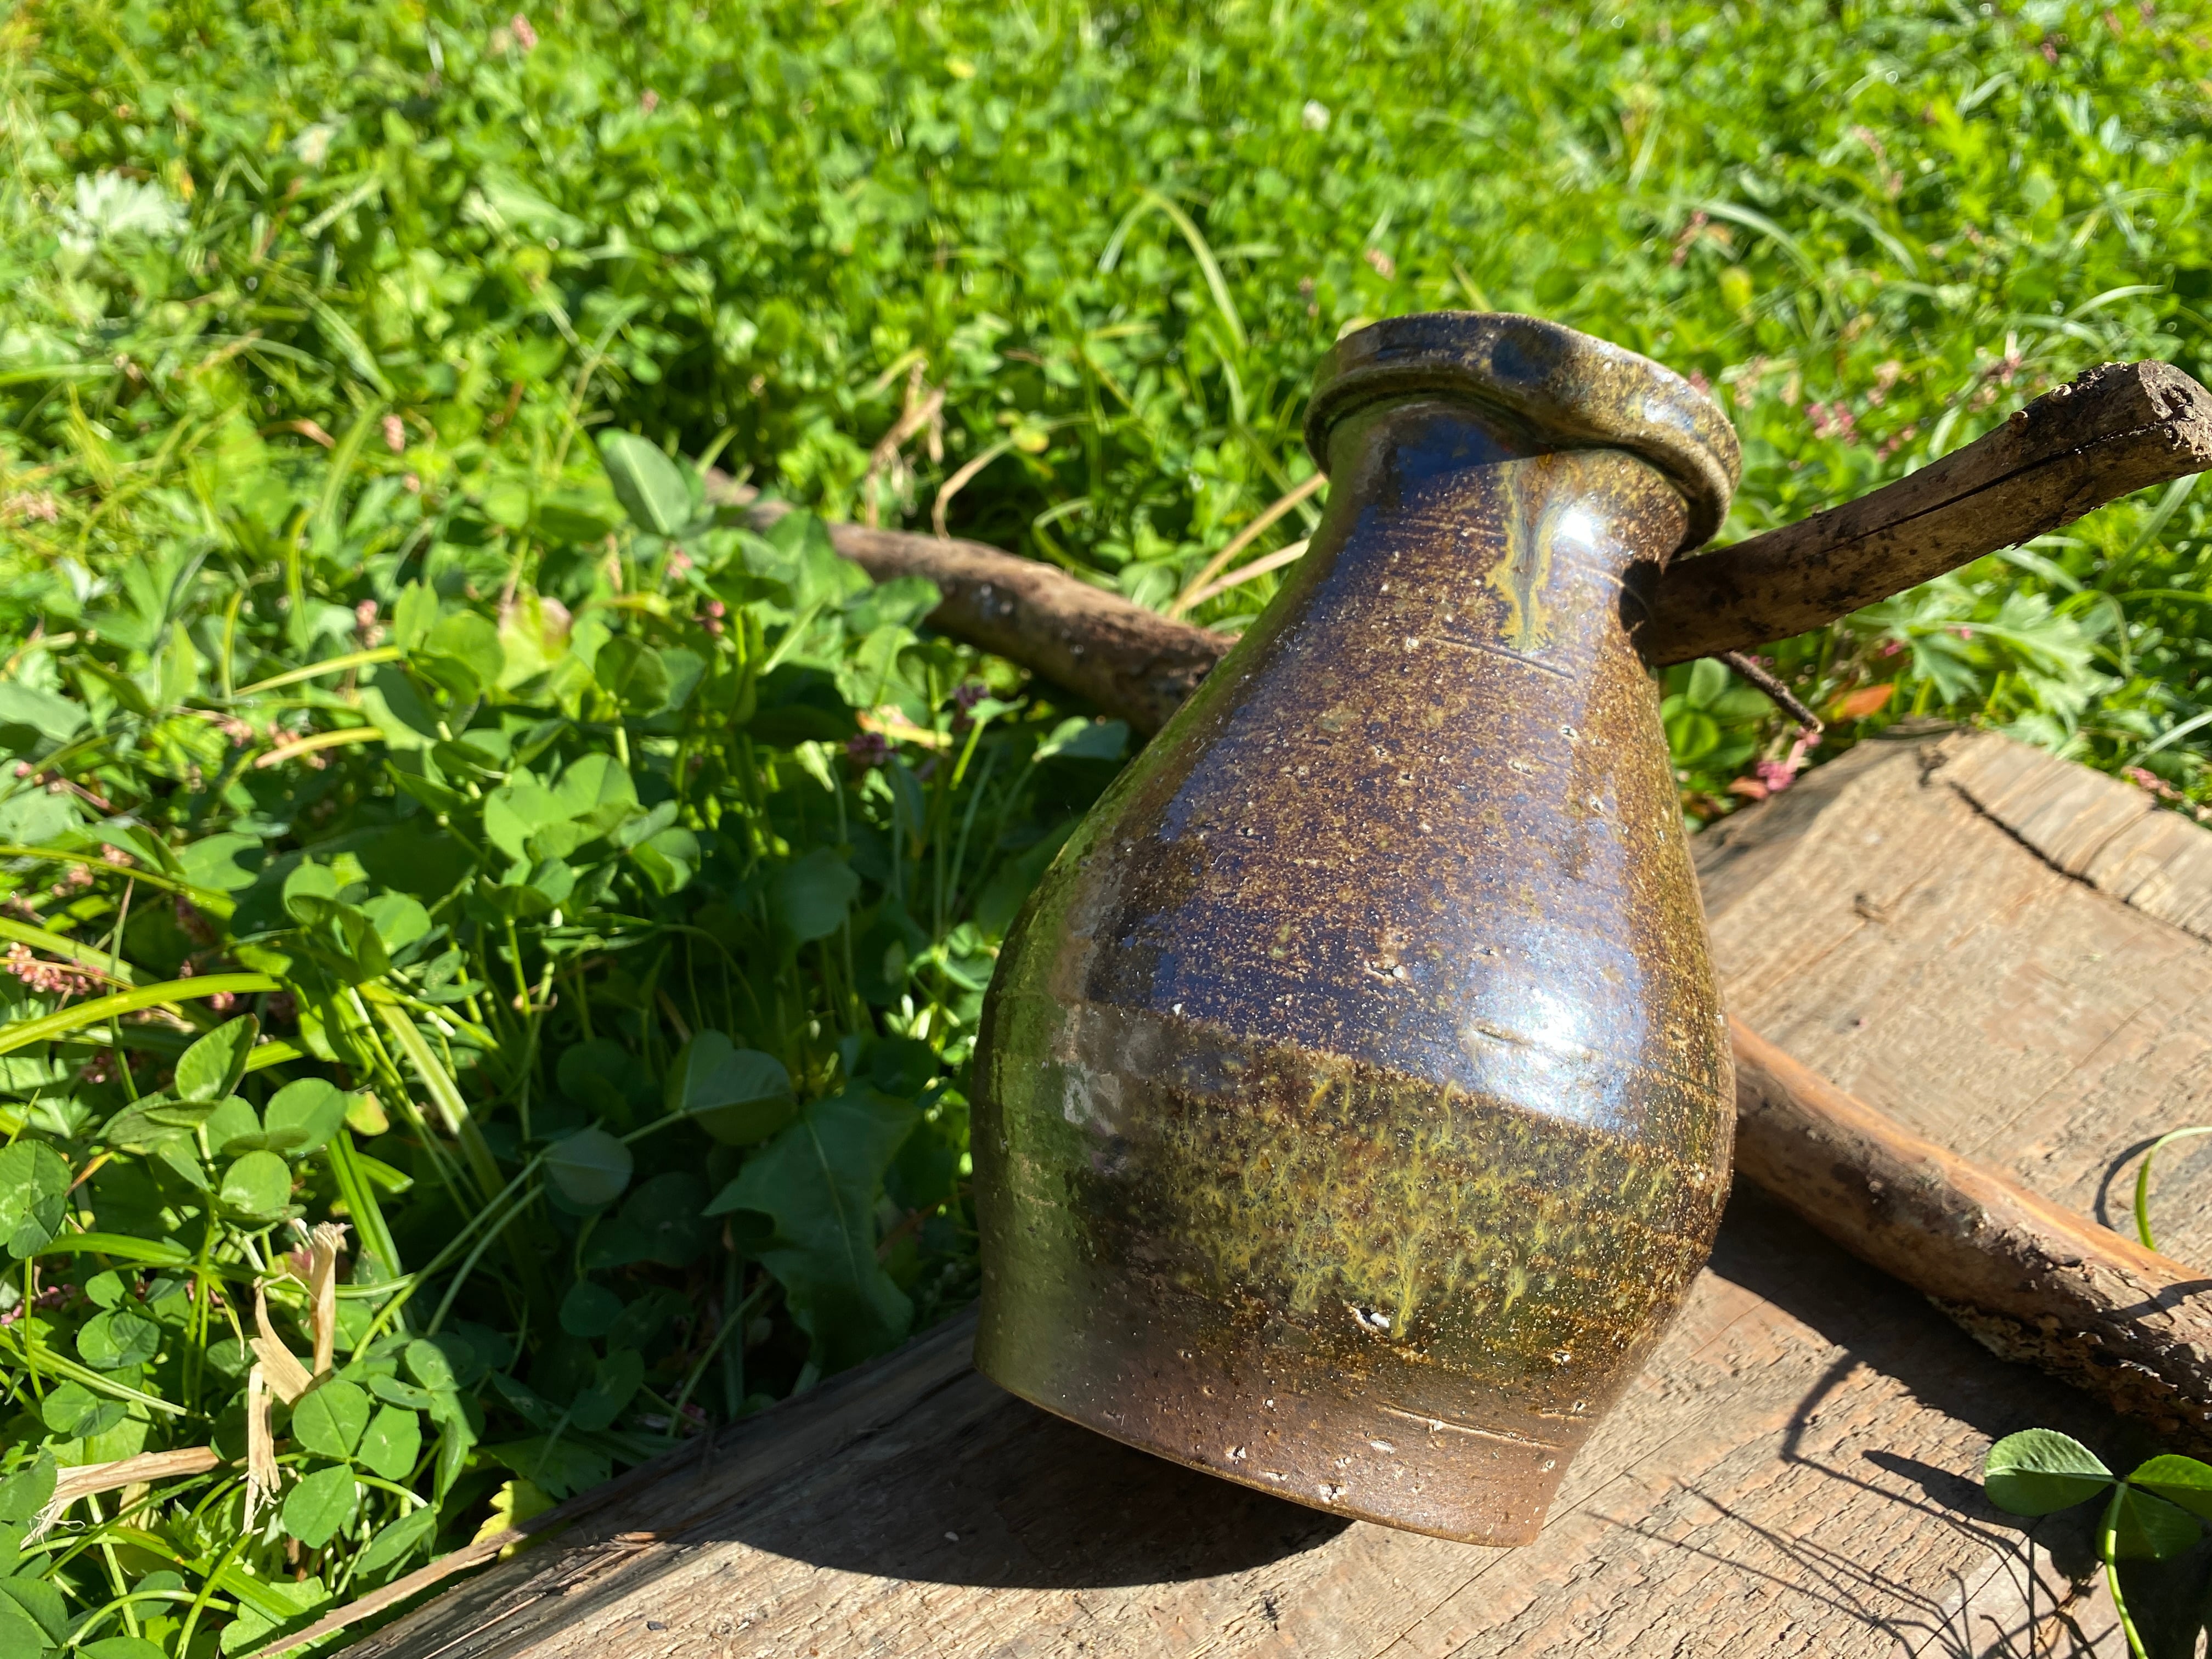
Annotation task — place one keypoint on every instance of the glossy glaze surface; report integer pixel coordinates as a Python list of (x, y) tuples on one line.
[(1353, 1097)]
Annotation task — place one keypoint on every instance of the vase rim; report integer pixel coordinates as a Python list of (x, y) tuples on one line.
[(1575, 390)]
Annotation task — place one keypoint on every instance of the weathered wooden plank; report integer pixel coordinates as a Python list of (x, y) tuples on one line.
[(1922, 920)]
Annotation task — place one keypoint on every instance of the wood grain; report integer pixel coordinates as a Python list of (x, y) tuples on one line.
[(1793, 1472), (2113, 430)]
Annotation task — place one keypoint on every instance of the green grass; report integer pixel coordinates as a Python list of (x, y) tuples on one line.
[(621, 983)]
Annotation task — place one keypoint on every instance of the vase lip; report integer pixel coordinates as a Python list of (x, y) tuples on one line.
[(1577, 391)]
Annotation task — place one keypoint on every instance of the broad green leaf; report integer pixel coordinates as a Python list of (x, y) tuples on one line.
[(1077, 738), (35, 1186), (817, 1181), (301, 1117), (589, 1309), (601, 1076), (2040, 1471), (534, 637), (229, 861), (348, 942), (462, 654), (2181, 1480), (391, 703), (614, 1383), (1708, 679), (74, 1411), (1691, 734), (329, 1418), (257, 1187), (812, 896), (514, 812), (589, 1168), (25, 1492), (320, 1504), (661, 1221), (234, 1127), (2140, 1527), (41, 1599), (632, 673), (669, 858), (308, 881), (119, 1338), (56, 719), (122, 1647), (652, 488), (401, 1538), (596, 790), (431, 1366), (740, 1096), (153, 1119), (398, 918), (21, 1635), (556, 1467), (402, 1393), (414, 614), (508, 504)]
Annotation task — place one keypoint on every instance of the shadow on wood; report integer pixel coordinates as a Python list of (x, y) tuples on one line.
[(1016, 1497)]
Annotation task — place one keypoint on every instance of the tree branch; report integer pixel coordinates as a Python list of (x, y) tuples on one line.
[(2112, 431)]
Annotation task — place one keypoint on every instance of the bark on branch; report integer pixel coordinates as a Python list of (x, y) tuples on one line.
[(2027, 1278), (2112, 431)]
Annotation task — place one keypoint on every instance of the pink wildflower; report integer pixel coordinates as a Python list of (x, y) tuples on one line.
[(395, 435), (1700, 384), (2143, 778), (26, 506), (524, 36), (1698, 220), (24, 769), (101, 1068), (1833, 420), (236, 730), (648, 100), (41, 975), (679, 562), (116, 856)]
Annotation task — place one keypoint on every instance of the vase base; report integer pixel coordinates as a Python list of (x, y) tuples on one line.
[(1373, 1445)]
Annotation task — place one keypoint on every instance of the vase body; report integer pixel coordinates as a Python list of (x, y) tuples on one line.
[(1353, 1103)]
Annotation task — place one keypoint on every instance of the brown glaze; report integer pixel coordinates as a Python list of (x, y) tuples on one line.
[(1354, 1102)]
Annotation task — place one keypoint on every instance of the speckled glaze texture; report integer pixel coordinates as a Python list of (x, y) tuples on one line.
[(1353, 1100)]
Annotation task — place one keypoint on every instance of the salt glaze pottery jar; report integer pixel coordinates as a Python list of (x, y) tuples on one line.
[(1354, 1104)]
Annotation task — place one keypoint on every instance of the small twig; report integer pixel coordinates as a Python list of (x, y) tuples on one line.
[(1784, 698)]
